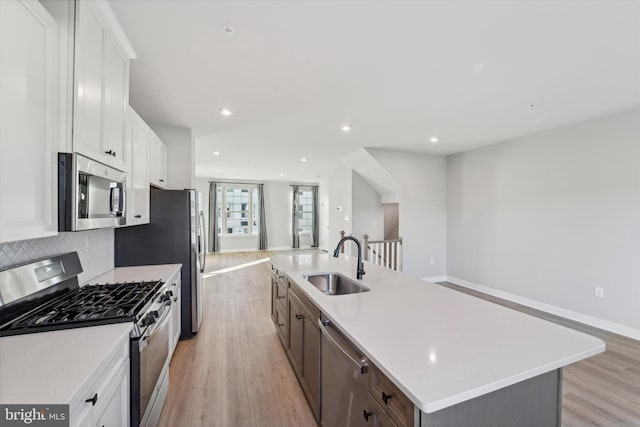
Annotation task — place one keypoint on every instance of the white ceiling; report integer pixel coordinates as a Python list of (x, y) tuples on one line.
[(293, 72)]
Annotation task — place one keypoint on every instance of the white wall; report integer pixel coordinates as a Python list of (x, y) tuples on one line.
[(549, 217), (180, 156), (368, 212), (422, 199), (336, 184), (278, 202)]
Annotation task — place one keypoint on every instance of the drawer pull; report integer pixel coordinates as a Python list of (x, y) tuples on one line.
[(299, 316), (386, 397), (281, 324), (137, 216), (93, 400), (283, 297), (366, 414)]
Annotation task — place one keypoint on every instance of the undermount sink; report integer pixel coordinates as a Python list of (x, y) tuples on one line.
[(334, 284)]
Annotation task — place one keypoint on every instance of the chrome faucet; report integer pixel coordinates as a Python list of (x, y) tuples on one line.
[(336, 253)]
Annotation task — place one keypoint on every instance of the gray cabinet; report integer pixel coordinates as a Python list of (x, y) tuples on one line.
[(303, 347), (279, 307)]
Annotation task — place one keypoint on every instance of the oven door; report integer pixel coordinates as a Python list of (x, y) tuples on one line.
[(152, 350), (91, 194)]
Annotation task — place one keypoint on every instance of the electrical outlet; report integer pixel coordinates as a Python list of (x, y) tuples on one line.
[(432, 261), (598, 292)]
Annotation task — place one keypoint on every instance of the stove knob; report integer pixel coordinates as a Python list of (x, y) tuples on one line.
[(164, 298), (154, 314), (148, 320)]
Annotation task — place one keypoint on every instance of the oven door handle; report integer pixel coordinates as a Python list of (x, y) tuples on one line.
[(159, 325)]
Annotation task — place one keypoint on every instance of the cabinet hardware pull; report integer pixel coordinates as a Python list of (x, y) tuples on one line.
[(162, 180), (281, 324), (386, 397), (366, 414), (93, 400), (299, 316), (110, 152), (282, 297), (113, 154), (137, 216)]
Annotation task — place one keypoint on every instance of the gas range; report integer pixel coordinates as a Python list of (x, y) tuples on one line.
[(45, 296)]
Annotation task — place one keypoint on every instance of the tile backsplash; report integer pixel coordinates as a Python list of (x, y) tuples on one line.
[(94, 247)]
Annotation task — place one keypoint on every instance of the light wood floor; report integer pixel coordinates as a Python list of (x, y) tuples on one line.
[(235, 372)]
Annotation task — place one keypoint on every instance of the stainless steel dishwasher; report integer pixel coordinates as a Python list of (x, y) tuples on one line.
[(344, 380)]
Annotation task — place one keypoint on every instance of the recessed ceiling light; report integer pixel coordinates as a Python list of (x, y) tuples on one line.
[(225, 112), (218, 171), (216, 153), (281, 174), (346, 128), (304, 159), (434, 139), (227, 30)]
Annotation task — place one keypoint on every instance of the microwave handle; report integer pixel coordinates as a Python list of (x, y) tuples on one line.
[(117, 210)]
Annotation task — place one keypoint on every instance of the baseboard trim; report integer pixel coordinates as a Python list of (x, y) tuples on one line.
[(434, 279), (596, 322), (279, 248)]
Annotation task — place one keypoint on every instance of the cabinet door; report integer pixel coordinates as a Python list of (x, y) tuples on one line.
[(174, 336), (162, 164), (113, 404), (28, 137), (154, 157), (116, 70), (310, 378), (296, 324), (274, 298), (140, 171), (91, 36)]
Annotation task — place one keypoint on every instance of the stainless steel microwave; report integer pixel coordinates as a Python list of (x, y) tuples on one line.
[(90, 194)]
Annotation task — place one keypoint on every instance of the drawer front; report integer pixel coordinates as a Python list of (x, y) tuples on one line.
[(281, 324), (375, 416), (391, 399), (281, 295)]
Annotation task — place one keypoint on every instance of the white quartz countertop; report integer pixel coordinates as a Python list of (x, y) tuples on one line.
[(164, 272), (50, 367), (439, 346)]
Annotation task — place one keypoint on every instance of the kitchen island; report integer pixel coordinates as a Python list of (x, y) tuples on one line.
[(460, 360)]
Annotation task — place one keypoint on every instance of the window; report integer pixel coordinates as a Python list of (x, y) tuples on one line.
[(305, 211), (240, 204)]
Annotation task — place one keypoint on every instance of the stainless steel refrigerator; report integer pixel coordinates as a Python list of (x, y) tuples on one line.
[(175, 234)]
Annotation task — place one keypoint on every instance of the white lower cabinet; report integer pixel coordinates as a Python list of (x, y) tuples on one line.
[(103, 400)]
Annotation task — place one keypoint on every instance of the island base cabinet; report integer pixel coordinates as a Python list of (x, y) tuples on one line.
[(533, 402), (303, 348), (375, 416)]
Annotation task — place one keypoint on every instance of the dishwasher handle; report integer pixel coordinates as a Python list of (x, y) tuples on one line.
[(362, 364)]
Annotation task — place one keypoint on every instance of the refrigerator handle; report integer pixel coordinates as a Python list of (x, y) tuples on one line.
[(202, 240)]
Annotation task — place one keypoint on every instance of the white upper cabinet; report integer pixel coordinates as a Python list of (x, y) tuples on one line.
[(28, 121), (157, 161), (102, 55), (116, 99), (137, 141)]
